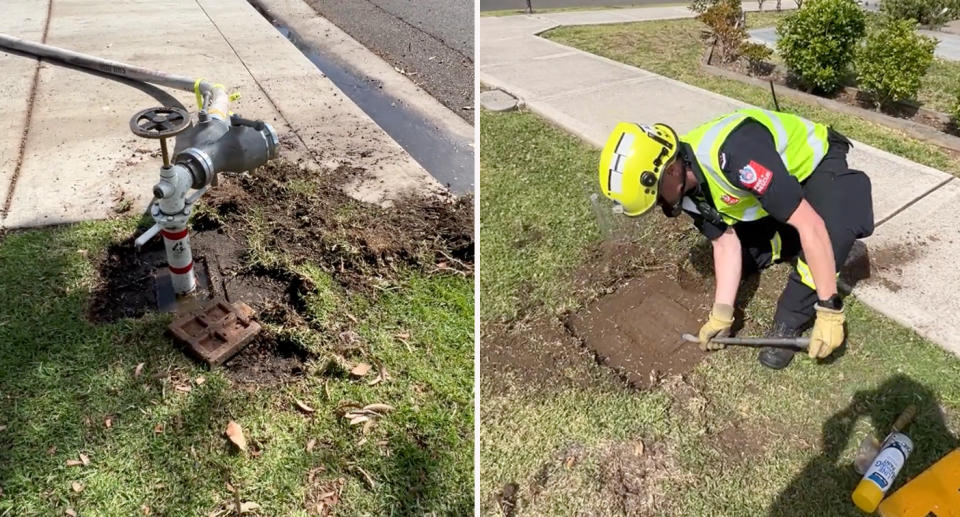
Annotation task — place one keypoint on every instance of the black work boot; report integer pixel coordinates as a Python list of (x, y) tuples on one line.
[(778, 358)]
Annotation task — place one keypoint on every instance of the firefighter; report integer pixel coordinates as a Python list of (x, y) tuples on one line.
[(763, 187)]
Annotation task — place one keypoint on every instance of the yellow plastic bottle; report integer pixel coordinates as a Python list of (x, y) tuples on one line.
[(882, 472)]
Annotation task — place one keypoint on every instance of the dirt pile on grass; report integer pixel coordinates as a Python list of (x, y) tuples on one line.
[(310, 219), (627, 323), (636, 330), (253, 234)]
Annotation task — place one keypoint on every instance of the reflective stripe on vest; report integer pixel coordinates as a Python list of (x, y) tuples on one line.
[(800, 143)]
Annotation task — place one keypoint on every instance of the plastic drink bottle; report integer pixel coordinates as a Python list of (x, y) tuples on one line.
[(882, 472)]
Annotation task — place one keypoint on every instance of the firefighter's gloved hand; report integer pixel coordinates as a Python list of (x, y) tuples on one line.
[(717, 325), (827, 333)]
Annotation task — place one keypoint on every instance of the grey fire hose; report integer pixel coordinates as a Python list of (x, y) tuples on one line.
[(213, 97), (219, 141)]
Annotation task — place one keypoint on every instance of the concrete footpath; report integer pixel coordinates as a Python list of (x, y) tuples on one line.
[(66, 151), (913, 277)]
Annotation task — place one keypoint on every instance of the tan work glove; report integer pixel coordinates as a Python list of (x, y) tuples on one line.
[(827, 333), (717, 325)]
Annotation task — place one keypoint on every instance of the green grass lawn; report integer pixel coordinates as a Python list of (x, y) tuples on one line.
[(734, 439), (547, 10), (164, 452), (673, 48)]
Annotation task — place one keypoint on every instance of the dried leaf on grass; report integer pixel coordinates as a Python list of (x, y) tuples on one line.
[(303, 407), (138, 370), (71, 512), (74, 463), (360, 370), (382, 375), (108, 422), (367, 477), (84, 459), (183, 388), (145, 509), (368, 415), (638, 448), (323, 497), (311, 443), (77, 487), (235, 433)]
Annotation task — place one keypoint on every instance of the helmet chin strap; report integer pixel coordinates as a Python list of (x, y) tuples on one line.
[(674, 210)]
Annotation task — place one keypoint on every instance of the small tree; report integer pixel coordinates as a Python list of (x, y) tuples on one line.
[(725, 20), (932, 13), (956, 108), (817, 42), (756, 55), (892, 62)]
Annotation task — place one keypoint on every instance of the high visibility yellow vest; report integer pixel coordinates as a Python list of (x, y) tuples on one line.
[(801, 144)]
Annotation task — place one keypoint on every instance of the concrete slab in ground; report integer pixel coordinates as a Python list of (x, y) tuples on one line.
[(914, 276), (80, 155), (497, 100)]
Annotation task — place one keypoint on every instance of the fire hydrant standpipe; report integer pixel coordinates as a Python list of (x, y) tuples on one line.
[(218, 142)]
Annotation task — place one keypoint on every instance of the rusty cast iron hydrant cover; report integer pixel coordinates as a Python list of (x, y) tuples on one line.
[(217, 331)]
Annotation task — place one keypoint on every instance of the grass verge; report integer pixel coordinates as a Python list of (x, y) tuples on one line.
[(733, 439), (673, 48), (548, 10), (163, 451)]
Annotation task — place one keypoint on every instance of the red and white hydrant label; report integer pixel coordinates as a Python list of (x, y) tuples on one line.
[(179, 260)]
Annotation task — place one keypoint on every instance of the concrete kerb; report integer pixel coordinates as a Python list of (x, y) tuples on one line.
[(329, 38)]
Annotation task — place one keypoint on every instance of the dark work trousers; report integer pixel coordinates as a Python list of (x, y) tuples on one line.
[(842, 197)]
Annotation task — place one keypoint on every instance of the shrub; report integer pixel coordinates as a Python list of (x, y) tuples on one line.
[(725, 20), (756, 55), (893, 60), (817, 42), (701, 6), (933, 13)]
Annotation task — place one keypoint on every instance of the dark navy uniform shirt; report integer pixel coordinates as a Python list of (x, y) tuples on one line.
[(750, 161)]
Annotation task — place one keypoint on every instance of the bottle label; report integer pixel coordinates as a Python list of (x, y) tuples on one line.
[(888, 463)]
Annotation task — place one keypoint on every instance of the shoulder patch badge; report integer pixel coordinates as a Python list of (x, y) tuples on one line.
[(755, 177), (730, 200)]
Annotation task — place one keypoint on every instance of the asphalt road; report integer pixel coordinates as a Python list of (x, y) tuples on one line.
[(430, 40), (496, 5)]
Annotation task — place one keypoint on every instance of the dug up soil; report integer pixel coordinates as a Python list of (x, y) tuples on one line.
[(636, 330), (252, 231)]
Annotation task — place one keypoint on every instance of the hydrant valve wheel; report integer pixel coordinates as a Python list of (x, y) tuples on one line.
[(159, 122)]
